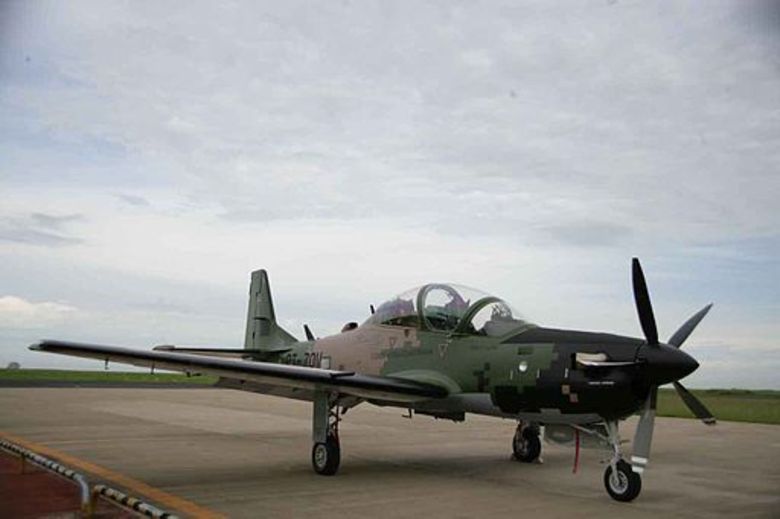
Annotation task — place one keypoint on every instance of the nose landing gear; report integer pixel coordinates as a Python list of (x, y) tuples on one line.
[(620, 480)]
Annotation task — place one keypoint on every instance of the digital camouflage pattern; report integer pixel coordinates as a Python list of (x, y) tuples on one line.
[(445, 351), (522, 367)]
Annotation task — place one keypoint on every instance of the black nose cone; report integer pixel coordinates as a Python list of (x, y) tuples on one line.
[(667, 364)]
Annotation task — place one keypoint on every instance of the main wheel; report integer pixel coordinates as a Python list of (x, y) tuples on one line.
[(325, 457), (526, 445), (624, 484)]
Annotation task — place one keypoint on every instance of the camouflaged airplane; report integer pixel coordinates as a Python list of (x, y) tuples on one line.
[(444, 351)]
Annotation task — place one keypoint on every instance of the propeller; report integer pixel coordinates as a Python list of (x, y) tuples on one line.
[(643, 306), (685, 330), (664, 363), (695, 405), (643, 436)]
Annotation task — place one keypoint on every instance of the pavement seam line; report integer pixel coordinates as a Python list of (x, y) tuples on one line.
[(155, 494)]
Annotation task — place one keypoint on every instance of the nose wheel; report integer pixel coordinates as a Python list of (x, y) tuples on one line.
[(526, 446), (622, 483), (620, 480)]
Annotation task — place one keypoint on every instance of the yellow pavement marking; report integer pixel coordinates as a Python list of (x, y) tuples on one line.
[(131, 485)]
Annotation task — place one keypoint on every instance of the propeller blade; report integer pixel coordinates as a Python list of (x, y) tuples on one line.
[(643, 306), (685, 330), (643, 436), (695, 405)]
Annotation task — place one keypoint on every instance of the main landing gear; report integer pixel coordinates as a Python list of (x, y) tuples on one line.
[(526, 446), (620, 480), (326, 452)]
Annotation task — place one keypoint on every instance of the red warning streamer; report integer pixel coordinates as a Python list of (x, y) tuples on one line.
[(576, 451)]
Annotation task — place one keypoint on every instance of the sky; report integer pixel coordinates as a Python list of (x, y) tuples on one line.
[(153, 154)]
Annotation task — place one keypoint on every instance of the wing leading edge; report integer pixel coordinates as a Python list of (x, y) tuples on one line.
[(370, 387)]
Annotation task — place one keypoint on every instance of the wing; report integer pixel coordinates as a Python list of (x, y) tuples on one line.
[(370, 387)]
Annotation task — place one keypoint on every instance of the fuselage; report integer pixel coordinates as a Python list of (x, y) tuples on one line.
[(528, 371), (492, 361)]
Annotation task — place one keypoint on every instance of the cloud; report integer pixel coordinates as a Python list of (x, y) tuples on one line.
[(50, 221), (30, 236), (40, 229), (305, 116), (16, 312), (589, 234), (134, 200)]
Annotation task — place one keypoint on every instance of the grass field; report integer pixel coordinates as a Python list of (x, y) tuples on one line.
[(736, 405)]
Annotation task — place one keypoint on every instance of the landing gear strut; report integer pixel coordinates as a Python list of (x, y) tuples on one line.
[(620, 480), (526, 446), (326, 452)]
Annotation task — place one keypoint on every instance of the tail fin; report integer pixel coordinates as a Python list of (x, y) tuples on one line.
[(262, 332)]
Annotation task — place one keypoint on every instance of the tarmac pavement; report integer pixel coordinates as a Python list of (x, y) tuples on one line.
[(215, 451)]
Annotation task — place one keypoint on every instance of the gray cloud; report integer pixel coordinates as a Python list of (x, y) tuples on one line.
[(57, 222), (40, 229), (36, 237), (134, 200), (589, 234), (318, 116)]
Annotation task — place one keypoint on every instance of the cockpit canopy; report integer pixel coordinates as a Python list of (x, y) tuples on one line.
[(449, 308)]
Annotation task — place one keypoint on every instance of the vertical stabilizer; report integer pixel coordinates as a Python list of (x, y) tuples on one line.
[(262, 332)]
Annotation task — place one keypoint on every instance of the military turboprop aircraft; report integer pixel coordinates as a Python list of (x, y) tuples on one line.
[(444, 351)]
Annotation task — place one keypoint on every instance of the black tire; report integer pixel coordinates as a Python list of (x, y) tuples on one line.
[(326, 457), (526, 445), (628, 484)]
